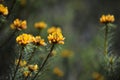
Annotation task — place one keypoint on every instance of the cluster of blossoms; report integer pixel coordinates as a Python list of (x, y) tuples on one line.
[(3, 10), (19, 24), (107, 18), (27, 73), (24, 39), (40, 25), (55, 35), (30, 69), (33, 67), (39, 41), (58, 72), (27, 69), (22, 62)]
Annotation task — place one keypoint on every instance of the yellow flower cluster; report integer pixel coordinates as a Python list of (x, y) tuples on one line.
[(97, 76), (22, 62), (58, 72), (3, 10), (33, 67), (26, 73), (107, 18), (40, 25), (66, 53), (39, 41), (24, 39), (56, 37), (19, 24), (53, 29)]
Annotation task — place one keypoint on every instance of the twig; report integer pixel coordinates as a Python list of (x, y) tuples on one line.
[(44, 62), (106, 40), (17, 67)]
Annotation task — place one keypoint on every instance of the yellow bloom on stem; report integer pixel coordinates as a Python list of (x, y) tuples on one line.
[(22, 62), (54, 29), (26, 73), (107, 18), (56, 37), (66, 53), (19, 24), (24, 39), (33, 67), (39, 41), (40, 25), (58, 72), (3, 9)]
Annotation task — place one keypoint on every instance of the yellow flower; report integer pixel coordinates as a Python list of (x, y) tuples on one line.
[(26, 73), (3, 10), (107, 18), (40, 25), (22, 62), (39, 41), (33, 67), (58, 72), (97, 76), (56, 37), (19, 24), (66, 53), (54, 29), (24, 39)]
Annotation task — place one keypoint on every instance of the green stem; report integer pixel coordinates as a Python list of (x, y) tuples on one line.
[(44, 62), (106, 40), (17, 67)]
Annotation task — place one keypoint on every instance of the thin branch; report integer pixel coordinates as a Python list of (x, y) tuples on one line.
[(106, 40), (44, 62), (17, 67)]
